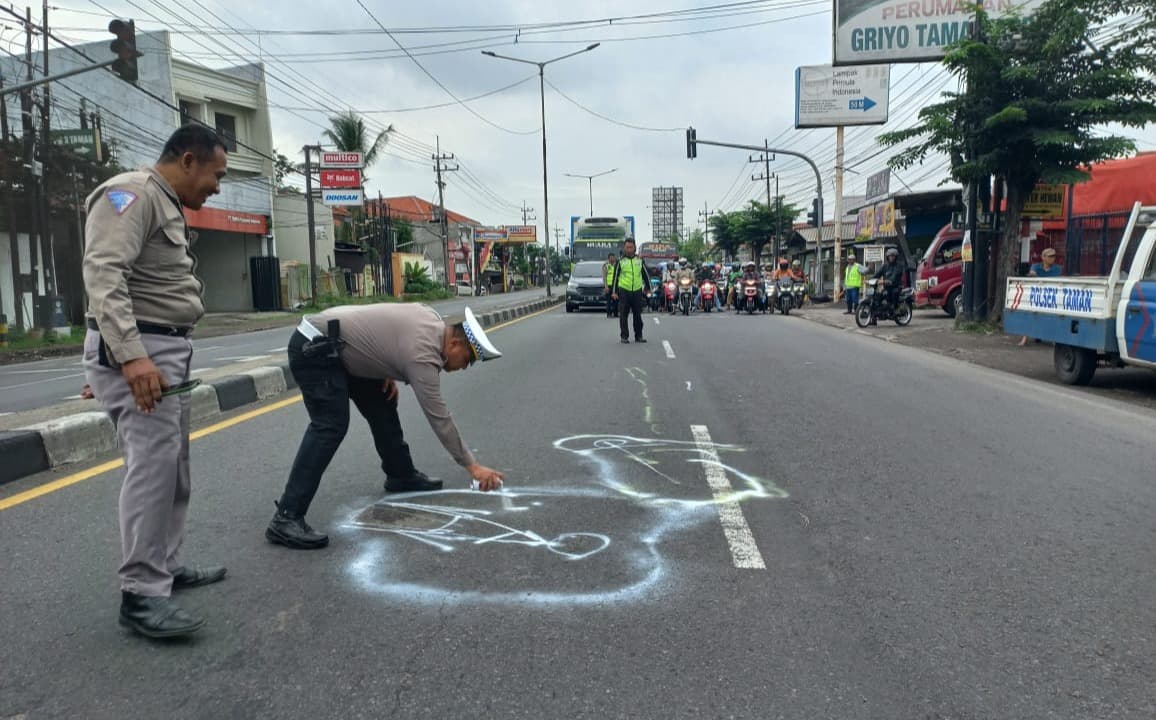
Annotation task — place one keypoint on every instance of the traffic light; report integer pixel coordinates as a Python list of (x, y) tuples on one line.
[(124, 47), (815, 217), (691, 147)]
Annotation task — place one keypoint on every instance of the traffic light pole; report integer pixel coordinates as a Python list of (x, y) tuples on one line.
[(692, 141), (59, 76)]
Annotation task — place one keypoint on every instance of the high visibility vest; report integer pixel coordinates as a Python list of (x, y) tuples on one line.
[(853, 277), (609, 273), (630, 274)]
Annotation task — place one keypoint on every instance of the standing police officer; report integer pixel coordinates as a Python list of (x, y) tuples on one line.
[(629, 285), (144, 300)]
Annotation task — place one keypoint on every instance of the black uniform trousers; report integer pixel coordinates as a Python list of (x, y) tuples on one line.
[(327, 388), (630, 302)]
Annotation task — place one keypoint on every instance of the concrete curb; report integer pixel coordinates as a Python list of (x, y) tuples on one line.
[(81, 436)]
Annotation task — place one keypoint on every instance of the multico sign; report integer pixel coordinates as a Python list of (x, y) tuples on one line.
[(897, 31)]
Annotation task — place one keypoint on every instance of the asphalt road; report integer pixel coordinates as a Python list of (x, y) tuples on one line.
[(26, 386), (761, 518)]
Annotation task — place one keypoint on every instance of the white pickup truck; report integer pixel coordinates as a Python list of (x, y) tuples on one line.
[(1094, 321)]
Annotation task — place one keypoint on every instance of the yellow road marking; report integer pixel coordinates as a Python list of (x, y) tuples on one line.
[(39, 490)]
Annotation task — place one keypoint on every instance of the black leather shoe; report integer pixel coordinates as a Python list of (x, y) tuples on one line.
[(642, 340), (291, 530), (184, 578), (418, 482), (156, 617), (625, 341)]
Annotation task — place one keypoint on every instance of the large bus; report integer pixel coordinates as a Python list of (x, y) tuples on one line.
[(593, 238)]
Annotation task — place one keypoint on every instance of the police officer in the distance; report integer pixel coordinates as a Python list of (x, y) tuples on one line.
[(144, 300), (360, 353)]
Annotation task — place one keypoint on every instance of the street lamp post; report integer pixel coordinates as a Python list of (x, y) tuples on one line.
[(542, 92), (590, 182)]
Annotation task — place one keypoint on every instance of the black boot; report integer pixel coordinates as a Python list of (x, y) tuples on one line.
[(290, 529), (418, 482), (156, 617)]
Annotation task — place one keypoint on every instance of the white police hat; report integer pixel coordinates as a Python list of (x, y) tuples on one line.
[(481, 346)]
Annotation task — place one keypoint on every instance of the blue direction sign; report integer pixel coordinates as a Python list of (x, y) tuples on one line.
[(828, 96), (863, 104)]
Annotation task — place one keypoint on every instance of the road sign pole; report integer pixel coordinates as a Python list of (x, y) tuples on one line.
[(838, 279)]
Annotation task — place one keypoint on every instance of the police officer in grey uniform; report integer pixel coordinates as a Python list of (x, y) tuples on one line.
[(359, 353), (144, 300)]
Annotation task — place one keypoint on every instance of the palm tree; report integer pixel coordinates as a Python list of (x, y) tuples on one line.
[(348, 133)]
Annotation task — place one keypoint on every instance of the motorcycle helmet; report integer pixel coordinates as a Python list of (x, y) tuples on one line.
[(783, 264), (682, 262), (892, 253), (796, 263)]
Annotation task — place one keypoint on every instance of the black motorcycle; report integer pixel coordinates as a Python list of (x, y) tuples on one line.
[(875, 306)]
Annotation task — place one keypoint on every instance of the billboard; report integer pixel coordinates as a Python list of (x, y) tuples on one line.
[(341, 160), (827, 96), (521, 233), (1045, 202), (903, 31), (342, 196), (340, 178), (490, 234)]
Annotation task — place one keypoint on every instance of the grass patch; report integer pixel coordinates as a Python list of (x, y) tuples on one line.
[(19, 340), (978, 328)]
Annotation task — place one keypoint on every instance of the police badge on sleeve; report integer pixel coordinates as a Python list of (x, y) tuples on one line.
[(120, 199)]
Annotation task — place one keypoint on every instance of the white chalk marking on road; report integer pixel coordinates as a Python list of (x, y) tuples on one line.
[(209, 349), (669, 350), (744, 551), (199, 371), (657, 322), (278, 350), (689, 388)]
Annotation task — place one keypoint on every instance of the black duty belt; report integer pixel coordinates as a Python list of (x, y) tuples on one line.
[(147, 328)]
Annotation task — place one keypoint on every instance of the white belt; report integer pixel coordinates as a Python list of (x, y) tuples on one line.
[(306, 328)]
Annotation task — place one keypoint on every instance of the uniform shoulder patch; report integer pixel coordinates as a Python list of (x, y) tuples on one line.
[(120, 199)]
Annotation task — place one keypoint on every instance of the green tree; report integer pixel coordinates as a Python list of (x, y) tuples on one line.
[(694, 248), (724, 230), (348, 133), (283, 168), (403, 231), (1041, 93)]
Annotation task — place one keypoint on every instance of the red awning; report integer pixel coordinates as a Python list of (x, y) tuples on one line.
[(1114, 186), (208, 218)]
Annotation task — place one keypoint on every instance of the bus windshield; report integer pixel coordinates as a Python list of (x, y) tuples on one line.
[(595, 238)]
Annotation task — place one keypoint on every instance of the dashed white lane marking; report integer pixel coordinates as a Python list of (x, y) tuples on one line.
[(744, 551), (669, 350)]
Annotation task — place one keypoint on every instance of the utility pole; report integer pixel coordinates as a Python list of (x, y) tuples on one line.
[(765, 158), (46, 238), (14, 245), (309, 221), (836, 275), (705, 215), (778, 220), (31, 184), (557, 244), (526, 216), (440, 168)]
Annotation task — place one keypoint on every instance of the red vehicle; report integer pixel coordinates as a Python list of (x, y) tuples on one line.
[(670, 295), (939, 276), (706, 295)]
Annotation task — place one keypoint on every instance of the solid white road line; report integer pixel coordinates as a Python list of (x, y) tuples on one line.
[(744, 551), (669, 350)]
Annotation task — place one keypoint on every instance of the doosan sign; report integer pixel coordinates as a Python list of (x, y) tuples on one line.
[(897, 31), (338, 159)]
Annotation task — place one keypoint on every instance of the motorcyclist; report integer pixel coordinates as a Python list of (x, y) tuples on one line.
[(751, 272), (783, 270), (684, 271), (733, 280), (797, 270), (705, 273), (892, 274)]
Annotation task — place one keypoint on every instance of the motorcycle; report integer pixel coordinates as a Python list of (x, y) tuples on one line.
[(655, 300), (785, 295), (685, 295), (875, 306), (669, 295), (747, 297), (706, 293), (799, 290)]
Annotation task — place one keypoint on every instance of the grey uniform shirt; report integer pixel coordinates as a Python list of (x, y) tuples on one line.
[(137, 262), (400, 342)]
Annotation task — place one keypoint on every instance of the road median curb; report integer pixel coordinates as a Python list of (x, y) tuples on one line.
[(79, 437)]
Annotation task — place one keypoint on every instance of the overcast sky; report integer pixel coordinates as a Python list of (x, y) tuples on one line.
[(735, 85)]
